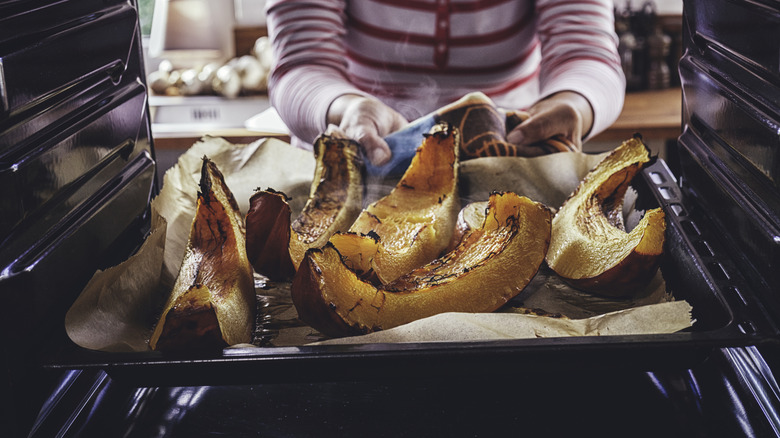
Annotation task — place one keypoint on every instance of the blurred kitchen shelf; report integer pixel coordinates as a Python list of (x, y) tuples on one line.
[(656, 114), (179, 121)]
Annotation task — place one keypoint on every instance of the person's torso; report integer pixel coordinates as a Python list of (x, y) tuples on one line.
[(426, 53)]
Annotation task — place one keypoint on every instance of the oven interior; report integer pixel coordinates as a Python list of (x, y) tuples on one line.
[(77, 174)]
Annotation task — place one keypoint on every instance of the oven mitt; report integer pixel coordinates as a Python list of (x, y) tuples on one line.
[(403, 145), (483, 129), (482, 126)]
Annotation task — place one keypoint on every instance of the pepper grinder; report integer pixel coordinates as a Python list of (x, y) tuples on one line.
[(658, 46), (627, 48)]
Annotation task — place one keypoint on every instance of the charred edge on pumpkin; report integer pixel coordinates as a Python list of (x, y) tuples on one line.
[(205, 180), (259, 191), (588, 177), (320, 313), (210, 170), (373, 235), (375, 217)]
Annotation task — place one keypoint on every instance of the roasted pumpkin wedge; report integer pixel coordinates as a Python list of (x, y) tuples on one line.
[(492, 264), (590, 247), (268, 234), (470, 217), (212, 304), (415, 221), (336, 197), (358, 251), (276, 243)]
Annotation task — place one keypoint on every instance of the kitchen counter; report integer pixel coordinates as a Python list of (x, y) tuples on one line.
[(178, 122), (656, 114)]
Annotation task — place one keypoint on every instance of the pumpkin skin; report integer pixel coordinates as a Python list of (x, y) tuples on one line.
[(489, 266), (268, 235), (590, 248), (414, 223), (212, 304), (336, 197), (469, 218), (275, 241)]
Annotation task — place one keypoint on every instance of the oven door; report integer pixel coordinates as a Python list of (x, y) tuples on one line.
[(677, 385), (733, 394), (77, 173)]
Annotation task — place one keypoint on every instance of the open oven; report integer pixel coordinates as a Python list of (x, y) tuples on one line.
[(78, 173)]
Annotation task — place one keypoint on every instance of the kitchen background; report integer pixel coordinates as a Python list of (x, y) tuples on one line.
[(209, 78)]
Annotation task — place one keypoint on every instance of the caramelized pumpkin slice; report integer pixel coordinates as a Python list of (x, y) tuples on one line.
[(275, 242), (212, 304), (415, 221), (590, 248), (361, 249), (491, 265), (470, 217), (336, 197), (268, 234)]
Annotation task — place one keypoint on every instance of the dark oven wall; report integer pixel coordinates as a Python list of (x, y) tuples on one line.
[(76, 169), (729, 152)]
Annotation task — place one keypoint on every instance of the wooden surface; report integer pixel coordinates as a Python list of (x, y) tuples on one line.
[(183, 141), (657, 115)]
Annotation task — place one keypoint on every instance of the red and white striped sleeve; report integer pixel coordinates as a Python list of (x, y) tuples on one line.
[(579, 53), (310, 62), (418, 55)]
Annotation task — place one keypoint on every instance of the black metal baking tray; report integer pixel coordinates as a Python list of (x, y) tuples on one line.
[(729, 152), (696, 268), (705, 264), (77, 168)]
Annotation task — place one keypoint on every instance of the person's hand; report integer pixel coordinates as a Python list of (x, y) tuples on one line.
[(566, 117), (367, 121)]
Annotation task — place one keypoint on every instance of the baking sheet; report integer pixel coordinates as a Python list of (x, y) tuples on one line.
[(118, 308)]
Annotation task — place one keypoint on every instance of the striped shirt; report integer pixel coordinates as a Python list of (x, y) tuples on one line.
[(419, 55)]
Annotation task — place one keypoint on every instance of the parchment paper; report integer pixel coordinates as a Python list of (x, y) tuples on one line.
[(119, 307), (465, 327)]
